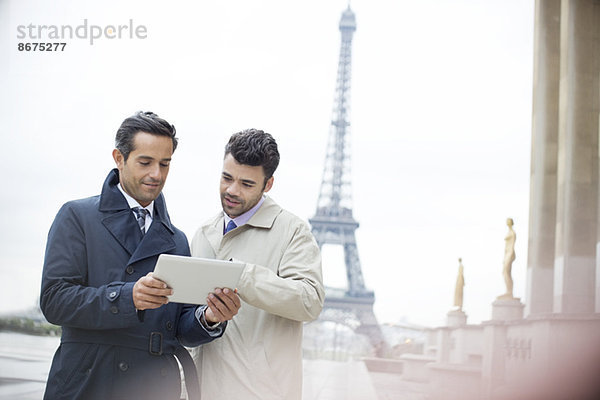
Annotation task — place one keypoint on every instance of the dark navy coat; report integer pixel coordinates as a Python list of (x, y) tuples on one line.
[(94, 255)]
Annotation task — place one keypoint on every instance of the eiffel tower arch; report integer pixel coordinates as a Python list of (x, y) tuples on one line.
[(333, 222)]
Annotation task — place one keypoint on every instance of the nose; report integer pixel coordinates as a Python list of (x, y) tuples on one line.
[(233, 189), (154, 172)]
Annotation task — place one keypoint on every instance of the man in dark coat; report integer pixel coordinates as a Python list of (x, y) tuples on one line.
[(120, 335)]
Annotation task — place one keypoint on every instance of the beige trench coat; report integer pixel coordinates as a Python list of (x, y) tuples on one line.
[(260, 354)]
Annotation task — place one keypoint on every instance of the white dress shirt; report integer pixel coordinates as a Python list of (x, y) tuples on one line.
[(134, 203)]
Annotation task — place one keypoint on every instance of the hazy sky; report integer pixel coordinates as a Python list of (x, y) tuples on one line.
[(441, 125)]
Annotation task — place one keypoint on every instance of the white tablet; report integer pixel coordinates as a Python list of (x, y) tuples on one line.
[(193, 278)]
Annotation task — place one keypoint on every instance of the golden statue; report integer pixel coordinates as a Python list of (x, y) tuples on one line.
[(460, 283), (509, 257)]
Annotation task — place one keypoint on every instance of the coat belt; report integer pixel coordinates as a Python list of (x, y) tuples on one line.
[(153, 344)]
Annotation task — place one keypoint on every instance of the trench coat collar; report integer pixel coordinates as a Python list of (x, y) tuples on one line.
[(121, 223), (263, 218)]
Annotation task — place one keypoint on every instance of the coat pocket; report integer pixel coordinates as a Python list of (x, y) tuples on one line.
[(77, 363)]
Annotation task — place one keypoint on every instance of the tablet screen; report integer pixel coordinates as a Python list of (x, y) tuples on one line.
[(193, 278)]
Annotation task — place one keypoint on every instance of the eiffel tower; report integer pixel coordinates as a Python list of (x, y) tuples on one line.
[(333, 222)]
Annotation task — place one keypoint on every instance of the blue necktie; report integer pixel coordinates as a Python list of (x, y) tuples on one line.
[(230, 226), (140, 215)]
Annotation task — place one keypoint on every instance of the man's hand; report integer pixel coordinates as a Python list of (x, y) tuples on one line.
[(223, 304), (149, 293)]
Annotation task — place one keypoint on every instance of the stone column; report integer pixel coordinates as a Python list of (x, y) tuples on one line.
[(493, 358), (596, 57), (577, 200), (456, 318), (544, 150)]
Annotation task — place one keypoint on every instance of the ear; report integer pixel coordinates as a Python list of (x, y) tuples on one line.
[(269, 184), (119, 159)]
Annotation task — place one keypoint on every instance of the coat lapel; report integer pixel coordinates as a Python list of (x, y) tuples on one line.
[(158, 240), (214, 233), (120, 225), (117, 217)]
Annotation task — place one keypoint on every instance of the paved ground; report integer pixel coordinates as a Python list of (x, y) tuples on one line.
[(330, 380), (391, 387), (25, 361)]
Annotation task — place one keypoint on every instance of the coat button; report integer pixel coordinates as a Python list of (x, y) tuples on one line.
[(129, 269), (123, 366), (114, 309), (112, 295), (169, 325)]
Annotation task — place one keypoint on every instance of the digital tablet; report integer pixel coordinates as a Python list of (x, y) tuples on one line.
[(193, 278)]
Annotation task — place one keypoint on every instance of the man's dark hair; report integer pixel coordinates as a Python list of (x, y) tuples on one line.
[(255, 148), (144, 121)]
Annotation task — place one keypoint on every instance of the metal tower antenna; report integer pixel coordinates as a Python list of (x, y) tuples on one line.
[(333, 222)]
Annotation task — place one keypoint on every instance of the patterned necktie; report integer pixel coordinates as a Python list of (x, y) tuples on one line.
[(230, 226), (140, 215)]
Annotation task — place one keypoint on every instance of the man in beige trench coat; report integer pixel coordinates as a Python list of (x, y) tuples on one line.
[(260, 354)]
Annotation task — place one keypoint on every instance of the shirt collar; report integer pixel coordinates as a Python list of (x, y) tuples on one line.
[(134, 203), (245, 217)]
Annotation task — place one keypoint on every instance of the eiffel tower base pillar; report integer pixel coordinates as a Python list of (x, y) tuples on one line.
[(357, 312)]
